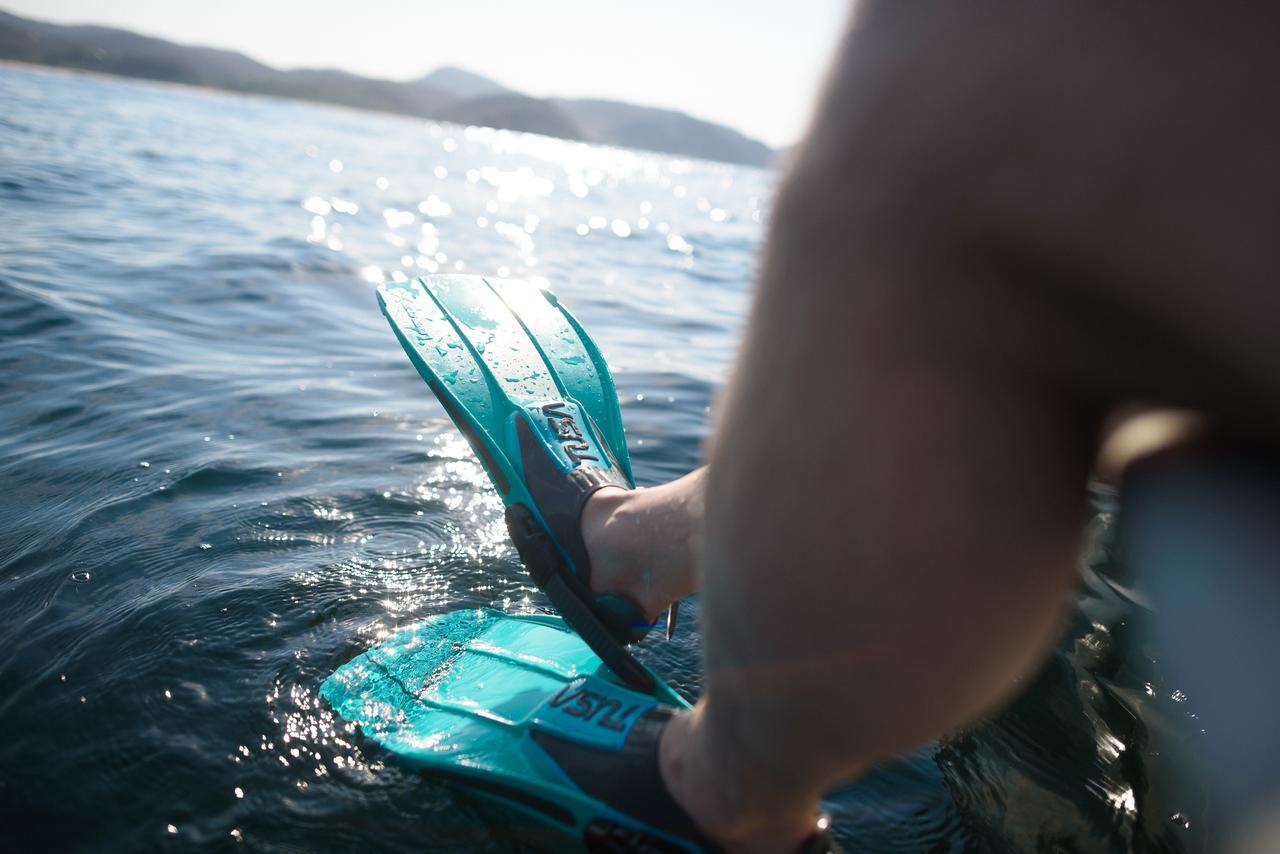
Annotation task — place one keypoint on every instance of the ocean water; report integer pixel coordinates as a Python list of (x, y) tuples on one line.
[(220, 478)]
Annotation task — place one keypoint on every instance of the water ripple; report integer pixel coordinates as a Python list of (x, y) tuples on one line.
[(221, 478)]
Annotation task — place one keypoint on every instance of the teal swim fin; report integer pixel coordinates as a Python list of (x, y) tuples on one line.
[(531, 392), (517, 708), (520, 710)]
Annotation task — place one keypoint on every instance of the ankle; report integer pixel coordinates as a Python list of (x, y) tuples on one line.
[(618, 549), (739, 808)]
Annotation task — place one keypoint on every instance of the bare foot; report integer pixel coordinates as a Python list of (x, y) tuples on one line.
[(626, 555), (741, 809)]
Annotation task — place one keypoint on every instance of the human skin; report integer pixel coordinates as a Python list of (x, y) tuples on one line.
[(644, 542), (1007, 223)]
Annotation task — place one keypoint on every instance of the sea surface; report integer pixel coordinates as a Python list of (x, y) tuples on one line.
[(220, 478)]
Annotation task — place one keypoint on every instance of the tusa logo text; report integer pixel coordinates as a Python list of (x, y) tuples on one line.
[(569, 433), (577, 702)]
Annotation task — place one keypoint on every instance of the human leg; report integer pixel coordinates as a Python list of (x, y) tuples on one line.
[(896, 497)]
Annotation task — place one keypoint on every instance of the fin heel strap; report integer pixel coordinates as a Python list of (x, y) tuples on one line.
[(548, 570)]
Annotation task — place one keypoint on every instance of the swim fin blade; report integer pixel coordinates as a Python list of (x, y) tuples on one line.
[(532, 393)]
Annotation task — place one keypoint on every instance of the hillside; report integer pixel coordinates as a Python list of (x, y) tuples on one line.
[(447, 94)]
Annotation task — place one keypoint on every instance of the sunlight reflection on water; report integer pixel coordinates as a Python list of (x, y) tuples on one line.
[(437, 219), (222, 478)]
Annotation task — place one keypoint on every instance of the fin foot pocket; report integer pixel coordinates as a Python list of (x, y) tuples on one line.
[(629, 780), (627, 621)]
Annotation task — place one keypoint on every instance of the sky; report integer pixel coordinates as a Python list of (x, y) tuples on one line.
[(755, 65)]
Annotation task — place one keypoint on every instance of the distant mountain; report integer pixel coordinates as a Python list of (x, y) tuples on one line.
[(447, 94), (515, 111), (662, 130), (461, 83), (124, 53)]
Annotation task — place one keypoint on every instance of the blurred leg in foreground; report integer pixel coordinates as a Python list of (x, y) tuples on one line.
[(1005, 224)]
